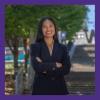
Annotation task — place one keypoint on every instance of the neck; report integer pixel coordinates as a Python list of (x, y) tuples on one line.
[(49, 41)]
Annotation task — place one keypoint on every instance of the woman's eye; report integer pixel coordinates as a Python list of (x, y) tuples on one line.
[(50, 26), (44, 26)]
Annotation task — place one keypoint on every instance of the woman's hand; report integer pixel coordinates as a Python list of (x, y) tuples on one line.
[(44, 72), (58, 65), (38, 59)]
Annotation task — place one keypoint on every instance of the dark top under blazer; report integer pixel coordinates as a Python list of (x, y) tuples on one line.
[(53, 81)]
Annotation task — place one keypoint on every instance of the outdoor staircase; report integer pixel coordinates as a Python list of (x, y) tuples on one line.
[(81, 80)]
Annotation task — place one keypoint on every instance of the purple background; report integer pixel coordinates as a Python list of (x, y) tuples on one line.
[(53, 2)]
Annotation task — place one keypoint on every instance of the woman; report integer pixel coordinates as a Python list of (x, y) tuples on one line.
[(50, 61)]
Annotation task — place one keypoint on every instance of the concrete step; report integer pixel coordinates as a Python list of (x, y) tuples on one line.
[(81, 83)]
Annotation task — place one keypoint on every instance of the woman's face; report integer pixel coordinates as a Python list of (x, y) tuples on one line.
[(48, 29)]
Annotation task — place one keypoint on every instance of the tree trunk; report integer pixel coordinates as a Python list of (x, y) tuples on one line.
[(15, 60), (69, 45), (13, 44), (26, 53)]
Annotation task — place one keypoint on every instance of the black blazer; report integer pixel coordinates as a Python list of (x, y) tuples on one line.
[(51, 82)]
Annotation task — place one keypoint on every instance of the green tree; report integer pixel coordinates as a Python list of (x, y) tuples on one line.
[(20, 19)]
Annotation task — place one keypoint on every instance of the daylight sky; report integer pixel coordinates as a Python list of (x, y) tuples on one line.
[(91, 17)]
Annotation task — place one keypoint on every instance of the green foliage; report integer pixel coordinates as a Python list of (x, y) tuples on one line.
[(20, 19)]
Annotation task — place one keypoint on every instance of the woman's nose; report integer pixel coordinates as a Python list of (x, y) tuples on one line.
[(48, 29)]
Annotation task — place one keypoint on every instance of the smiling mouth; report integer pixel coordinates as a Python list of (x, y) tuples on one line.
[(48, 32)]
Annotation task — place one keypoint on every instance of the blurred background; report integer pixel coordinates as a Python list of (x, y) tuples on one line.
[(76, 29)]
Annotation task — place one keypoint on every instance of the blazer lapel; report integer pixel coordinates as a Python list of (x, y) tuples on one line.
[(45, 51), (55, 48)]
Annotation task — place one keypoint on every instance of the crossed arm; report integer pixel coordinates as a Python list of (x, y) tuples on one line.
[(47, 67), (58, 65)]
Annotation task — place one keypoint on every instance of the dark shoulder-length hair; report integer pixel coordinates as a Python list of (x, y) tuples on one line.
[(40, 36)]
